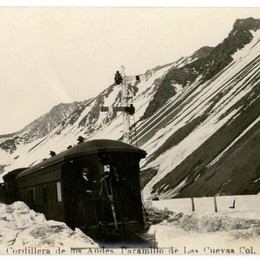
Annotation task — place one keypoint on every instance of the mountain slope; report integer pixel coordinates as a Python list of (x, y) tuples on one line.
[(62, 126), (205, 119), (209, 62), (39, 127)]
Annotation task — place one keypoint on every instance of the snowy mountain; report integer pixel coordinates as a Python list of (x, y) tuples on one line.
[(39, 127), (33, 143), (197, 118), (209, 131)]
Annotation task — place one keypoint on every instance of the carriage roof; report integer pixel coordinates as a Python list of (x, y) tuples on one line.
[(13, 173), (89, 147)]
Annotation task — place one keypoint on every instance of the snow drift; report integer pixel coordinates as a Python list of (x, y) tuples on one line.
[(204, 231), (22, 227)]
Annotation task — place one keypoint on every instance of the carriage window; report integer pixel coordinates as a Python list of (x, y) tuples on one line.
[(59, 197), (30, 195)]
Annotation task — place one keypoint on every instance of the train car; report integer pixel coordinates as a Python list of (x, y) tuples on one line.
[(10, 191), (93, 186)]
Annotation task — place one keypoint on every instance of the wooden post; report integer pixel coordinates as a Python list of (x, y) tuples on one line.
[(215, 204), (126, 119), (192, 204)]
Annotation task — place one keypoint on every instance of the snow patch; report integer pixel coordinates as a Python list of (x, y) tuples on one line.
[(21, 226), (206, 230)]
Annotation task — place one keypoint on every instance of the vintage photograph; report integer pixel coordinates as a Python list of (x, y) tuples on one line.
[(129, 130)]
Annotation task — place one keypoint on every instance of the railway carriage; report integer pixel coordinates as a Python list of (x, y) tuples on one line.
[(93, 185)]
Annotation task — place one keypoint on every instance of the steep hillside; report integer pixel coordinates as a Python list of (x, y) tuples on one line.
[(208, 63), (205, 141)]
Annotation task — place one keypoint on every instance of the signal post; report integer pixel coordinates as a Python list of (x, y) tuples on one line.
[(127, 101)]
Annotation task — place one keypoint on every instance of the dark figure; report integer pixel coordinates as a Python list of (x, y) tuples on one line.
[(80, 139), (155, 198), (52, 153), (86, 205), (88, 184), (118, 78)]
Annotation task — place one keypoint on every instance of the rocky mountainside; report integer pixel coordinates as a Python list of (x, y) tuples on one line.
[(209, 62), (39, 127), (197, 118), (209, 137)]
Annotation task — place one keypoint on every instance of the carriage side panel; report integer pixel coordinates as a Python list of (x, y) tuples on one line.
[(41, 190)]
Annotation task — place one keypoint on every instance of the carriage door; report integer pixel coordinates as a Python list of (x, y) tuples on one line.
[(110, 194)]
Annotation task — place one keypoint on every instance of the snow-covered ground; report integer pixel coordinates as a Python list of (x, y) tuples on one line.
[(204, 231), (26, 230)]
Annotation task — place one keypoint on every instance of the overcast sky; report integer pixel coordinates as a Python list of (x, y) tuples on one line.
[(51, 55)]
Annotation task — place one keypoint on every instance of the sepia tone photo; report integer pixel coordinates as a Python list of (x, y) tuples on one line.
[(129, 131)]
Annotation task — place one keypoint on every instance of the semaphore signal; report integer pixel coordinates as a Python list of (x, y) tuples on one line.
[(127, 107)]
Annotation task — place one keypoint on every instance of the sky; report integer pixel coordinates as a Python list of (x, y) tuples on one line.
[(51, 55)]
